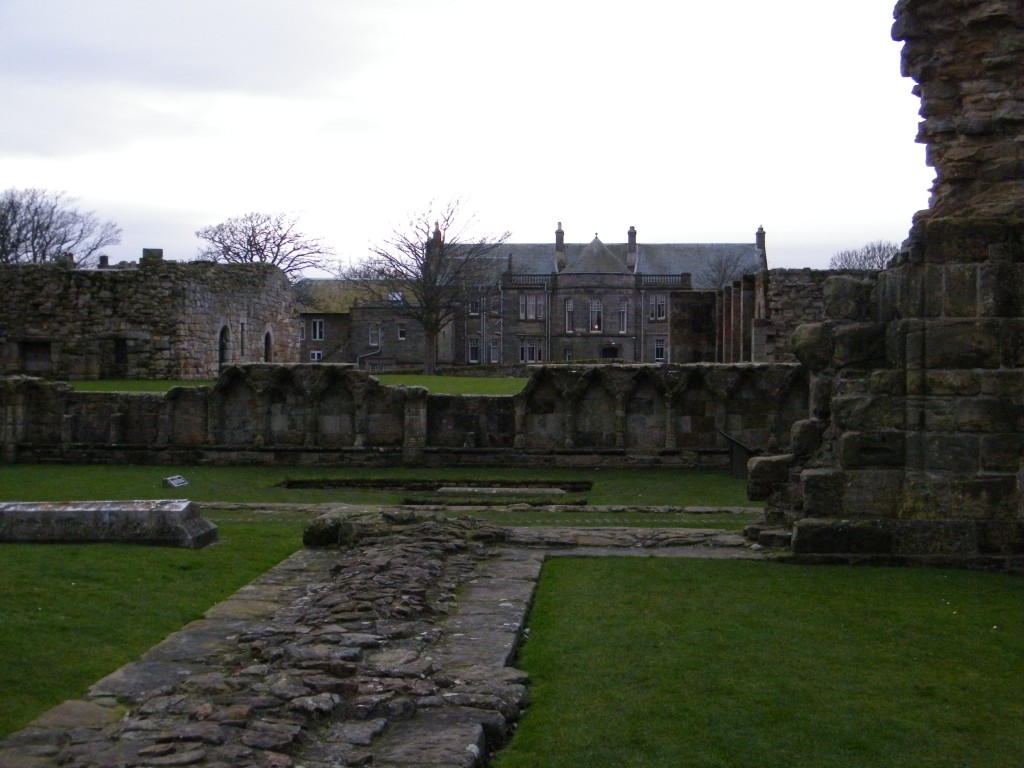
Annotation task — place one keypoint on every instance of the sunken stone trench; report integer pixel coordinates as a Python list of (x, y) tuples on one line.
[(392, 651)]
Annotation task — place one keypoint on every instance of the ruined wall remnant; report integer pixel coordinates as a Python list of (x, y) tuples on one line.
[(319, 414), (915, 437), (162, 320), (966, 57)]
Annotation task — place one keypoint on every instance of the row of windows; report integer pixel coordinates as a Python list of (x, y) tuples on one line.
[(531, 307), (317, 332)]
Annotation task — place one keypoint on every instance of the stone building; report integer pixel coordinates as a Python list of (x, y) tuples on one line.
[(157, 320), (628, 302)]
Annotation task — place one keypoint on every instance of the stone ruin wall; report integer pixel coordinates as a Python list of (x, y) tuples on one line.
[(785, 299), (328, 414), (915, 437), (168, 316)]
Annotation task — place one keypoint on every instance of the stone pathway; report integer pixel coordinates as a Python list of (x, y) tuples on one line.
[(393, 652)]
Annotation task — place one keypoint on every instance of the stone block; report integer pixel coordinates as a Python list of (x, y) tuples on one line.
[(960, 239), (1001, 290), (989, 414), (985, 497), (813, 344), (848, 298), (887, 382), (935, 537), (867, 413), (951, 452), (822, 492), (169, 522), (859, 344), (764, 472), (939, 413), (872, 493), (952, 383), (1002, 452), (805, 437), (1011, 340), (1002, 383), (960, 290), (817, 536), (962, 344), (860, 450), (1000, 537)]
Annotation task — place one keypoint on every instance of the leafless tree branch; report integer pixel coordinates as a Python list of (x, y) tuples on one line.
[(266, 239), (425, 270), (873, 255), (38, 226)]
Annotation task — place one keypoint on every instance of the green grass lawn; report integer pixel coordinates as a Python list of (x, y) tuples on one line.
[(444, 385), (72, 613), (65, 482), (458, 385), (133, 385), (62, 607), (728, 663)]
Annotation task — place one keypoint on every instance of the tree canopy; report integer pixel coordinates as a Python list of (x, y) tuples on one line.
[(39, 226), (873, 255), (267, 238), (426, 270)]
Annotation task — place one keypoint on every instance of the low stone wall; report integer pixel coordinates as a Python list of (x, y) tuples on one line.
[(327, 414), (165, 522)]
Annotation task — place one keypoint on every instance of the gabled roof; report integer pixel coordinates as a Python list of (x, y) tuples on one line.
[(596, 258)]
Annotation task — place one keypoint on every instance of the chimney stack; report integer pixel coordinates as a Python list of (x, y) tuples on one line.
[(631, 249), (560, 248)]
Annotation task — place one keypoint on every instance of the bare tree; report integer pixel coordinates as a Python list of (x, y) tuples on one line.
[(426, 270), (267, 238), (873, 255), (38, 226), (722, 268)]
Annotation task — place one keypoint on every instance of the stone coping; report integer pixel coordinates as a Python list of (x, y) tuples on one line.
[(395, 651)]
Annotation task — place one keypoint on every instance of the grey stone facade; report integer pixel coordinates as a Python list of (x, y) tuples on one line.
[(552, 302), (161, 320)]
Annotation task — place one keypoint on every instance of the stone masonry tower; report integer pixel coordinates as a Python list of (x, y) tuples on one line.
[(913, 447)]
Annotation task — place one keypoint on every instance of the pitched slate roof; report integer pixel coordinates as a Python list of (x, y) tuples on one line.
[(676, 258), (600, 257)]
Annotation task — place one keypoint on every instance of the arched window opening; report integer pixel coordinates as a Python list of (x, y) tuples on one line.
[(222, 346)]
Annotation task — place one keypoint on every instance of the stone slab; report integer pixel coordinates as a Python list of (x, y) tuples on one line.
[(168, 522)]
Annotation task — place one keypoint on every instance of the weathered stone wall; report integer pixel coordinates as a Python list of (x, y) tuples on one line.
[(164, 320), (310, 414), (785, 299), (915, 438)]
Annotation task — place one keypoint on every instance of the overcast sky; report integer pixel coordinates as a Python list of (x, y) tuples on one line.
[(692, 121)]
